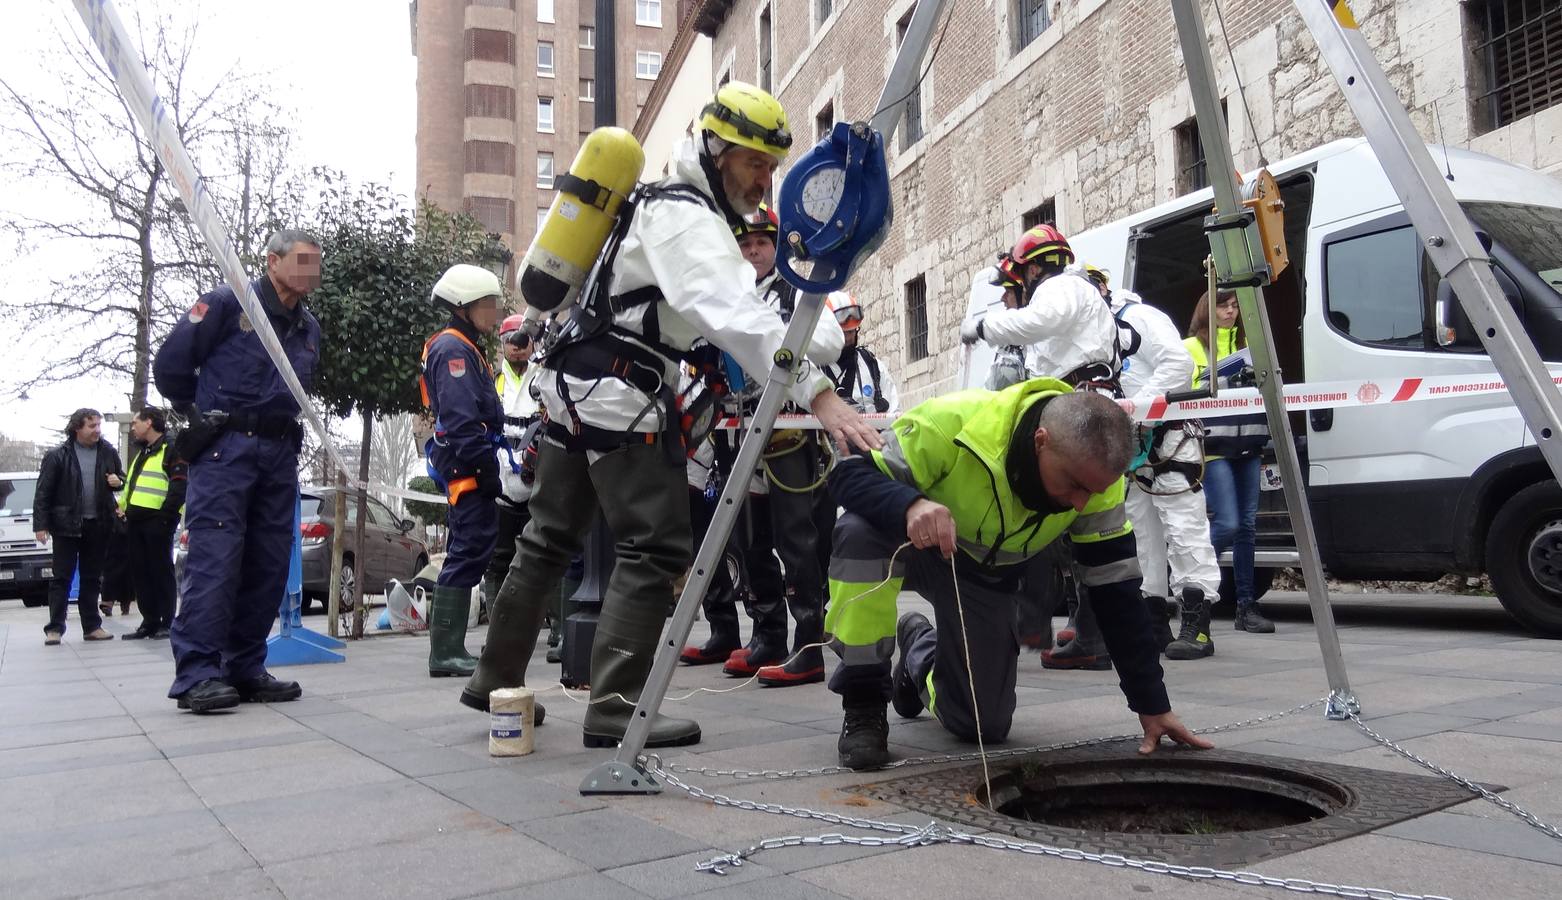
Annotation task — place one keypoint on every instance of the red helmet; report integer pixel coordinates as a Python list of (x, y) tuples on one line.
[(1008, 273), (847, 310), (1044, 245), (762, 221), (511, 323)]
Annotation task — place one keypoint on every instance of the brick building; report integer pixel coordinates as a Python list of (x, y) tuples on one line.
[(1078, 112), (506, 90)]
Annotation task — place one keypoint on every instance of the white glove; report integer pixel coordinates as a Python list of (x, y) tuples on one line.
[(971, 330)]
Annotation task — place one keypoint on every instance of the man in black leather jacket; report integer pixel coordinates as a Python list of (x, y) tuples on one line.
[(75, 504)]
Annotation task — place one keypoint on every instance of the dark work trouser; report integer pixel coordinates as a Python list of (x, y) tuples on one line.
[(84, 551), (149, 547), (118, 580), (1043, 593), (512, 519), (862, 630), (796, 541), (239, 511), (474, 531)]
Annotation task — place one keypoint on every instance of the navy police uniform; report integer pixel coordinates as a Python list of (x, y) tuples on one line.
[(239, 504), (459, 390)]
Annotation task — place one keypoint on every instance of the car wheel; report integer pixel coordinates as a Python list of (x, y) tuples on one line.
[(345, 597), (1263, 578), (1524, 557), (36, 598)]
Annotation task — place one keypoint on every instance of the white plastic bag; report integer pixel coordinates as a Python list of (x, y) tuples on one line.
[(408, 611)]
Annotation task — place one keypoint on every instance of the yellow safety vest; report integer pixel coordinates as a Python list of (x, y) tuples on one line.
[(1225, 337), (148, 486)]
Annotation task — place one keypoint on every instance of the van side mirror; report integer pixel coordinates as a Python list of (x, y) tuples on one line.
[(1453, 327)]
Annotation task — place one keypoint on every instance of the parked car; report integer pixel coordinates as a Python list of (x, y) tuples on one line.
[(390, 550), (25, 565)]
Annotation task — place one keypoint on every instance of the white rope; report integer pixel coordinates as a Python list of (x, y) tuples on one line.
[(970, 678)]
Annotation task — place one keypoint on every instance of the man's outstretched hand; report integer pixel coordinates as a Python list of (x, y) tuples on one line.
[(1168, 725)]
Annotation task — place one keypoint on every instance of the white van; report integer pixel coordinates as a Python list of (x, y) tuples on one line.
[(1408, 491), (25, 565)]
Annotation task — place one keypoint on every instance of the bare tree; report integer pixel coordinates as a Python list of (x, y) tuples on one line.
[(394, 453), (100, 194), (20, 456)]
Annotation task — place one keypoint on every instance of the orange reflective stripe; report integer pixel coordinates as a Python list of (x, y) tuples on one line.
[(423, 383), (458, 487)]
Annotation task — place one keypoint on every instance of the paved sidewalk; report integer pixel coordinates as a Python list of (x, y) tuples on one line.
[(378, 784)]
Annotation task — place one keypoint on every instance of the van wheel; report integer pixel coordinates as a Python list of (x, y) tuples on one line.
[(1524, 557), (1263, 578)]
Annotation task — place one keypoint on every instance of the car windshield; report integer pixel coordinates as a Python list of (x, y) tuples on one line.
[(1532, 233), (16, 496)]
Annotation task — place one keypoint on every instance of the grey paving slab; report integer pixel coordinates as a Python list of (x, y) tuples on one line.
[(458, 864), (50, 734), (275, 829), (100, 794), (778, 887), (510, 796), (1502, 707), (1518, 729), (676, 876), (73, 862), (1501, 837), (76, 755), (254, 773), (1421, 868), (605, 838), (240, 884), (579, 887)]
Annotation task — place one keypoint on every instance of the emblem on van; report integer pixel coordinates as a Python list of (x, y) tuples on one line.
[(1369, 393)]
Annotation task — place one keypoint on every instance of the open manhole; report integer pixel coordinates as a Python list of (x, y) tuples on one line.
[(1211, 808)]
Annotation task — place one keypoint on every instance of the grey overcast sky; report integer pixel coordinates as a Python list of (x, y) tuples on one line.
[(345, 67)]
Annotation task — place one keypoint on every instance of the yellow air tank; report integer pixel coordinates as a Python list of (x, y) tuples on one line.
[(581, 218)]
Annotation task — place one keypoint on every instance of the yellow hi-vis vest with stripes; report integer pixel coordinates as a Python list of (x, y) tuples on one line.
[(148, 486)]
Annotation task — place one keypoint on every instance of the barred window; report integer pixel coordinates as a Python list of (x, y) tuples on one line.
[(1045, 214), (765, 52), (489, 45), (916, 319), (1192, 166), (825, 8), (1032, 19), (490, 157), (911, 123), (1520, 43), (496, 213), (492, 101), (824, 120)]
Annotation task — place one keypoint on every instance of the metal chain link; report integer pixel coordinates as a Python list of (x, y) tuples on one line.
[(901, 835), (972, 756), (1528, 817)]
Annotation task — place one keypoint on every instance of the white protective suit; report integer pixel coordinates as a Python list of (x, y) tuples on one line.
[(519, 408), (863, 387), (1170, 525), (1065, 326), (689, 253)]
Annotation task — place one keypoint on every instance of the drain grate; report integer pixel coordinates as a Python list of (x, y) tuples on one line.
[(1199, 808)]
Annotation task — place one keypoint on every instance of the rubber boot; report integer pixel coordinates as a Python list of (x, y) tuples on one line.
[(722, 612), (1160, 620), (490, 590), (1087, 650), (447, 656), (628, 634), (764, 649), (512, 636), (565, 608), (1193, 641), (806, 664)]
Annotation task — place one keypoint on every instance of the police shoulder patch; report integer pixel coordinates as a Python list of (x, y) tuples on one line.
[(457, 368), (198, 312)]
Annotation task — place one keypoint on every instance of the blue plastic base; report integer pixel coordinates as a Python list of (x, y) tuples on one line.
[(318, 639), (294, 650)]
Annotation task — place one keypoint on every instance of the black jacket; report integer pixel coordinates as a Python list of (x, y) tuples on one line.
[(57, 506)]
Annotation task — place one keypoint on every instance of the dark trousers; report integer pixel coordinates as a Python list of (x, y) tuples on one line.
[(748, 571), (512, 521), (474, 532), (239, 508), (938, 660), (796, 541), (148, 547), (118, 582), (72, 552)]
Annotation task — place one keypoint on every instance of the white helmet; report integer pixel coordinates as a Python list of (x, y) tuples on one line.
[(464, 284)]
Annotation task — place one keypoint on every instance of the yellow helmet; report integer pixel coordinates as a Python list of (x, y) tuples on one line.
[(1100, 276), (744, 115)]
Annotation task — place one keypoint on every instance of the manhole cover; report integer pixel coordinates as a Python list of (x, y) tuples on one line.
[(1212, 808)]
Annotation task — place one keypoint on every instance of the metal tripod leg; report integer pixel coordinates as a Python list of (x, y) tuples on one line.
[(1231, 244), (626, 774)]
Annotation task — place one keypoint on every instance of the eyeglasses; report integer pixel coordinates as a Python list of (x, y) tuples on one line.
[(1228, 301)]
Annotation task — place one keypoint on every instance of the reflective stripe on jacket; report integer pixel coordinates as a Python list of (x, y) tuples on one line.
[(1228, 437)]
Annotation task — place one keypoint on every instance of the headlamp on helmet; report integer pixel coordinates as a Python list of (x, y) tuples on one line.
[(763, 221), (743, 115), (1045, 246)]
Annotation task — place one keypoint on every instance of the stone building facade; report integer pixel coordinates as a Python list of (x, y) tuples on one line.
[(506, 92), (1076, 111)]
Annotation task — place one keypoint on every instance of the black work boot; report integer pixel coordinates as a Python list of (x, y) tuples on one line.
[(209, 696), (1160, 620), (447, 654), (1193, 641), (1252, 620), (721, 611), (764, 649), (513, 624), (864, 742), (905, 688)]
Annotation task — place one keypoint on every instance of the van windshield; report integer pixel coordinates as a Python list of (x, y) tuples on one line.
[(1532, 233), (16, 496)]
